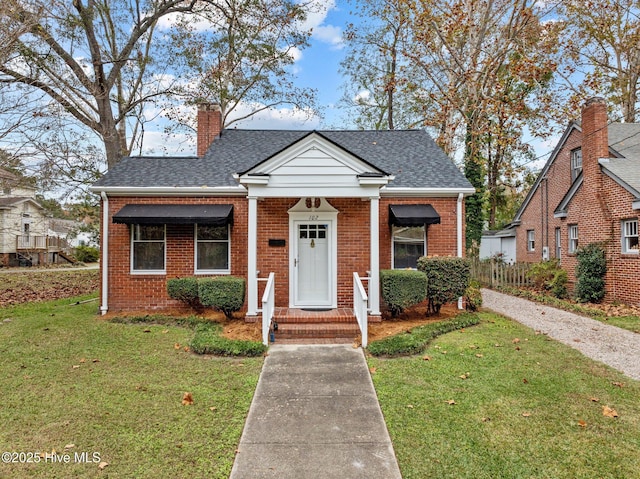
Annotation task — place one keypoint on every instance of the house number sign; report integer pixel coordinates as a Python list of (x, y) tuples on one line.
[(313, 217)]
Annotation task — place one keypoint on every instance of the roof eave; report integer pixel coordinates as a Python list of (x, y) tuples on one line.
[(170, 190), (390, 191)]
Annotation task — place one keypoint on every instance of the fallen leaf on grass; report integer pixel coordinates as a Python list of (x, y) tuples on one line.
[(620, 385), (186, 349), (373, 369), (83, 360), (594, 399), (526, 414), (102, 465), (176, 346), (609, 412), (187, 399), (146, 330), (451, 402), (426, 358), (465, 376), (69, 446), (165, 331), (410, 406), (525, 380), (213, 408), (95, 360), (516, 340), (582, 423), (76, 366), (479, 356)]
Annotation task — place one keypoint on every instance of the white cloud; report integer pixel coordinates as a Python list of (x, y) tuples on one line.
[(362, 97), (275, 119), (329, 34)]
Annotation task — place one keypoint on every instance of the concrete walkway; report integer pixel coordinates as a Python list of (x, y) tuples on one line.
[(315, 414)]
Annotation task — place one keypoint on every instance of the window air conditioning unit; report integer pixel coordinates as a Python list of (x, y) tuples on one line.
[(545, 253)]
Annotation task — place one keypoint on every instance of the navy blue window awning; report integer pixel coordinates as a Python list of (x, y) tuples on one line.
[(413, 215), (213, 215)]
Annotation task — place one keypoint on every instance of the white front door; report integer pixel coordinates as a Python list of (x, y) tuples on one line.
[(312, 264)]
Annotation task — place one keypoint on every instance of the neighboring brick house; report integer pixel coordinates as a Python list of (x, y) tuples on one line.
[(313, 207), (589, 191)]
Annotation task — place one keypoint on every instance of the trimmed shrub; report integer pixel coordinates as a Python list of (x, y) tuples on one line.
[(590, 271), (225, 293), (548, 276), (415, 341), (185, 290), (447, 279), (207, 340), (473, 296), (86, 254), (402, 288)]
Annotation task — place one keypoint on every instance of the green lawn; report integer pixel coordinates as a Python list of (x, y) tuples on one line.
[(70, 378), (532, 408)]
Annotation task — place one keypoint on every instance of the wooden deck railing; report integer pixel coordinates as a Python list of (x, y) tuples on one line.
[(39, 242)]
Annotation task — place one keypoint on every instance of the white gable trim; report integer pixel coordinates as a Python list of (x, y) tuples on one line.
[(314, 166)]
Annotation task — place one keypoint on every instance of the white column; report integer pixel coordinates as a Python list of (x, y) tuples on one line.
[(374, 281), (252, 257), (104, 254), (459, 235)]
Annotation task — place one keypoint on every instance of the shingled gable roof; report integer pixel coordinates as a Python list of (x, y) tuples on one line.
[(411, 156), (623, 167)]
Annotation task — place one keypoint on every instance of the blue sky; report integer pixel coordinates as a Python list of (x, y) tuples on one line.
[(315, 67)]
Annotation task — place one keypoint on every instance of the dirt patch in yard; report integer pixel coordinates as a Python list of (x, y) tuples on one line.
[(30, 286)]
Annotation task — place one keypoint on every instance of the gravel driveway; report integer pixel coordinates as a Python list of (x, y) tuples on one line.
[(613, 346)]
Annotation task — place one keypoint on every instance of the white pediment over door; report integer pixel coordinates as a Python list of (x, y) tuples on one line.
[(314, 166)]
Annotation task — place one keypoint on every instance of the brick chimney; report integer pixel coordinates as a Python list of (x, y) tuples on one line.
[(595, 145), (209, 125)]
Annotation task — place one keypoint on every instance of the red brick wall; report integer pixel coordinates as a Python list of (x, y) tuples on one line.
[(538, 216), (598, 208), (134, 292), (139, 291)]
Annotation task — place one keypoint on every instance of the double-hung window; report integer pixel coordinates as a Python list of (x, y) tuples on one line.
[(630, 236), (531, 240), (212, 249), (148, 247), (573, 238), (408, 244), (576, 163)]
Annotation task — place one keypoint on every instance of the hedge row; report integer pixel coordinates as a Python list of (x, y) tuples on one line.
[(402, 288), (415, 341), (225, 293), (207, 335)]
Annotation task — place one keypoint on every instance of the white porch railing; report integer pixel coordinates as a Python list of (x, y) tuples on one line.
[(360, 309), (268, 307)]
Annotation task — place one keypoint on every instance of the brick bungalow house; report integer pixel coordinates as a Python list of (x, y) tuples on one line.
[(589, 191), (312, 207)]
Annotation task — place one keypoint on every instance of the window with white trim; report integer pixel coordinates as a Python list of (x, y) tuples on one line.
[(531, 240), (573, 238), (408, 243), (576, 163), (630, 236), (212, 249), (148, 247), (558, 243)]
